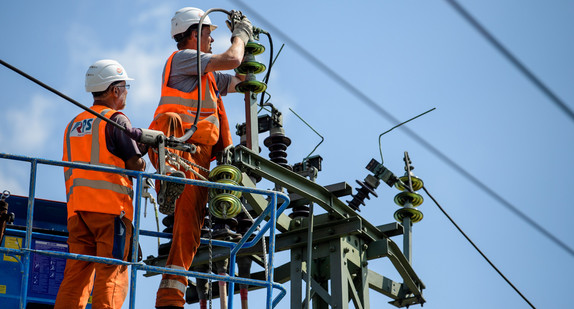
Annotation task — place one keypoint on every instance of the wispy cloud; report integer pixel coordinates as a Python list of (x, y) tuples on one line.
[(30, 129)]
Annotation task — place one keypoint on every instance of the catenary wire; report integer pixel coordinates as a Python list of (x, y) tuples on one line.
[(477, 249), (363, 98), (519, 65)]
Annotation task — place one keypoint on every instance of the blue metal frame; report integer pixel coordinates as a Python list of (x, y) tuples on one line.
[(271, 211)]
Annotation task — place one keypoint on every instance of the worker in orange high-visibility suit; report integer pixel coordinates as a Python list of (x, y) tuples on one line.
[(176, 112), (100, 209)]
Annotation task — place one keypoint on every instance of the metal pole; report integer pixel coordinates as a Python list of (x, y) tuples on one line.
[(135, 241), (28, 242), (407, 236), (310, 244), (251, 123)]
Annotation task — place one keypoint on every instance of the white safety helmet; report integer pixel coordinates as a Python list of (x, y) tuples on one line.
[(186, 17), (104, 72)]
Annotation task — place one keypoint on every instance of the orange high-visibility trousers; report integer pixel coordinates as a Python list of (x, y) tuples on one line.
[(92, 233), (189, 213)]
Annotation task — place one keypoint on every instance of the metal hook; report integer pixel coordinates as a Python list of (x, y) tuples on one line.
[(5, 195)]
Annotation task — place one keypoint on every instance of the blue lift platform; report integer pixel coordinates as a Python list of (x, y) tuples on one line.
[(34, 248)]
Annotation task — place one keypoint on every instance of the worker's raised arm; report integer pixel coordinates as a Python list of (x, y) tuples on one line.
[(241, 33), (228, 60)]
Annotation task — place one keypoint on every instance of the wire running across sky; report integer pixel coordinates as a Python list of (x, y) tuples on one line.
[(363, 98), (478, 250), (521, 67)]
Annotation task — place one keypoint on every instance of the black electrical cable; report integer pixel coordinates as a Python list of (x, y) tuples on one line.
[(537, 82), (266, 78), (363, 98), (477, 249)]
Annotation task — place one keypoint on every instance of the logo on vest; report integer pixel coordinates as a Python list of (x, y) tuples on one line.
[(82, 128)]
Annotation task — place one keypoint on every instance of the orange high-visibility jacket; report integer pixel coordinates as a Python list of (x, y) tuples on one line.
[(85, 141), (212, 125)]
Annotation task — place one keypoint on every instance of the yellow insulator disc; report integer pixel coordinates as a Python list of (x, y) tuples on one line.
[(216, 191), (250, 67), (225, 171), (417, 183), (415, 214), (254, 48), (406, 197), (250, 86), (225, 206)]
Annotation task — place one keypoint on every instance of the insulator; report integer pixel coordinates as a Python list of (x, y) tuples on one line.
[(244, 222), (216, 191), (417, 183), (300, 211), (254, 48), (230, 223), (277, 144), (225, 228), (250, 65), (225, 206), (163, 249), (407, 197), (253, 85), (369, 186), (168, 220), (225, 171), (414, 214)]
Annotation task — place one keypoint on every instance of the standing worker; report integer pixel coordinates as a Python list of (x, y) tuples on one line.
[(100, 209), (176, 113)]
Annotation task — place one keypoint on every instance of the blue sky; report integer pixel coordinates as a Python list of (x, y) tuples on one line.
[(408, 57)]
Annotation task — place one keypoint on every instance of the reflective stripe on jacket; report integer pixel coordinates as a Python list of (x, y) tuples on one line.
[(212, 126), (102, 192)]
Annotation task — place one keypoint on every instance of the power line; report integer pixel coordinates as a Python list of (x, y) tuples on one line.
[(363, 98), (478, 250), (521, 67)]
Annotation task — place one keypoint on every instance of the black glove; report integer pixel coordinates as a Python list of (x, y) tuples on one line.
[(240, 26)]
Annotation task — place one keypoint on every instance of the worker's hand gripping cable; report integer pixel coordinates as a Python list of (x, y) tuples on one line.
[(240, 26)]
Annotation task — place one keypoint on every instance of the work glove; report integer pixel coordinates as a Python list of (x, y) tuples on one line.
[(240, 26)]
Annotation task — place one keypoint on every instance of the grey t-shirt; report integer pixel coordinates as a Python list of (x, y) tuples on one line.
[(183, 74)]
